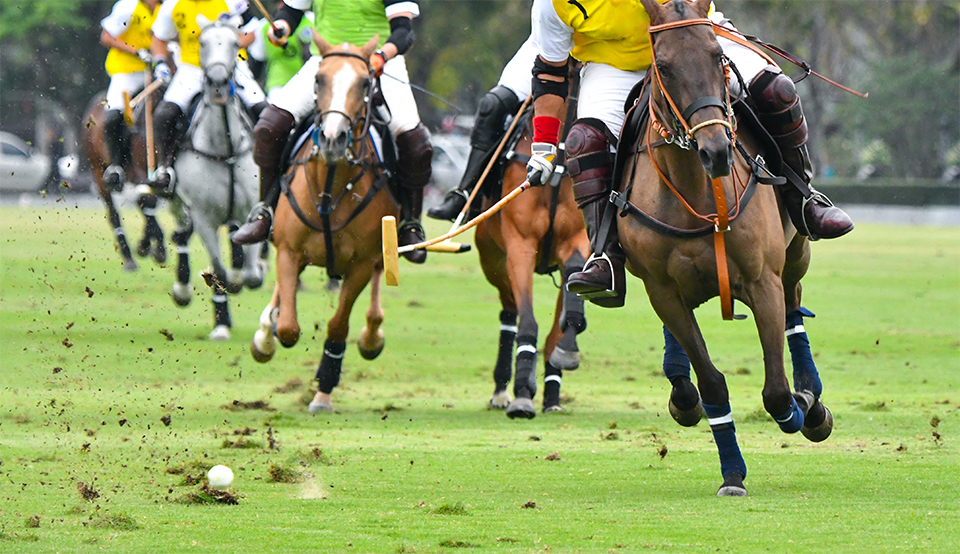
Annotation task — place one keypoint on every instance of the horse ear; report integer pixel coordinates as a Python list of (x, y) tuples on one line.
[(236, 21), (322, 45), (203, 22), (703, 7), (370, 47), (654, 10)]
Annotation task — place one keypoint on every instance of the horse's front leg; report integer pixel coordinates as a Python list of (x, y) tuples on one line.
[(182, 290), (254, 267), (113, 216), (264, 342), (371, 339), (238, 261), (328, 373), (521, 257), (152, 240), (221, 310), (560, 347), (493, 261), (289, 266)]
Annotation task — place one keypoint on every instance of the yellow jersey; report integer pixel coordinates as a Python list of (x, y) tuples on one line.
[(130, 22), (177, 19)]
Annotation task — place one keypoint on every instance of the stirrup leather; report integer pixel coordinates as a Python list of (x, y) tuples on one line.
[(612, 291)]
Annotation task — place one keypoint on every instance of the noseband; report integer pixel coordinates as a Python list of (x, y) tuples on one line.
[(685, 139), (361, 119)]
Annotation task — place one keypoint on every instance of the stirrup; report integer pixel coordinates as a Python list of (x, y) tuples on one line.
[(814, 196), (612, 291), (169, 190), (115, 177)]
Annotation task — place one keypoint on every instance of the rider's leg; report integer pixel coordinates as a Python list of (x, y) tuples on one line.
[(118, 146), (487, 132), (590, 163), (168, 121), (270, 137), (778, 107), (414, 153)]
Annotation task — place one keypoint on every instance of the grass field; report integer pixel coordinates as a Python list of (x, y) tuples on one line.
[(113, 404)]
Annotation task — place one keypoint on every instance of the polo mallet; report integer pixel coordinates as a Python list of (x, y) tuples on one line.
[(129, 104), (266, 14), (148, 126), (391, 253)]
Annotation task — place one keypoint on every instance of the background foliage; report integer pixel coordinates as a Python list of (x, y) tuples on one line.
[(906, 54)]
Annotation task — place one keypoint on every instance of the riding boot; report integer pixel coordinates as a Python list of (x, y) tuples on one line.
[(590, 163), (488, 129), (270, 138), (414, 154), (169, 122), (778, 106), (118, 146)]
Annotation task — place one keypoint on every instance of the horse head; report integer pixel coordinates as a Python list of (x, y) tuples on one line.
[(219, 45), (343, 87), (690, 96)]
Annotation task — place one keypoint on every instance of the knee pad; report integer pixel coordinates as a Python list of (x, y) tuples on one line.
[(492, 112), (775, 98), (270, 135), (589, 160), (415, 154)]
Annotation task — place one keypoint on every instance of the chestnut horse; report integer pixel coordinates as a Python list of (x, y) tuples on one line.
[(687, 162), (330, 217), (95, 148), (538, 232)]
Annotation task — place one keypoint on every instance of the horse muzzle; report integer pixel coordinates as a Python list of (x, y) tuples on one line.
[(716, 156), (334, 146), (219, 85)]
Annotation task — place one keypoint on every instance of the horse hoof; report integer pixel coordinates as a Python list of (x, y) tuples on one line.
[(563, 359), (160, 254), (143, 248), (521, 407), (130, 266), (556, 408), (315, 407), (263, 346), (686, 418), (499, 401), (378, 343), (732, 486), (819, 433), (220, 333), (181, 293)]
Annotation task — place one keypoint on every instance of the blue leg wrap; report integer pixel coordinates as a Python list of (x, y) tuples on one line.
[(725, 435), (805, 375), (792, 420), (675, 361)]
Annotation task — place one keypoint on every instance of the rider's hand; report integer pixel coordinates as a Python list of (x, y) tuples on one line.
[(145, 56), (540, 165), (377, 61), (278, 33), (162, 72)]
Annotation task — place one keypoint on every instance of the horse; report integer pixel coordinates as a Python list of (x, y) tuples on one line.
[(95, 149), (335, 194), (218, 181), (538, 232), (688, 160)]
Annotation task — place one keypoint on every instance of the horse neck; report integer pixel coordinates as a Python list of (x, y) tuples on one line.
[(221, 130)]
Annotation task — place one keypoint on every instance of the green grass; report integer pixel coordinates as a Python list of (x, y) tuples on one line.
[(105, 382)]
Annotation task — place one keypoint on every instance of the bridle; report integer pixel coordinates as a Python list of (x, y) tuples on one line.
[(361, 120)]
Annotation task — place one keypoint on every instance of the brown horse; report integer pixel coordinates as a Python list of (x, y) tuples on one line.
[(330, 217), (538, 232), (95, 148), (686, 163)]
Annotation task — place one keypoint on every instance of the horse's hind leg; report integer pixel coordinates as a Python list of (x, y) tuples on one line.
[(221, 311), (254, 267), (818, 423), (571, 321), (371, 339), (152, 240), (234, 280), (182, 291), (328, 373), (129, 264)]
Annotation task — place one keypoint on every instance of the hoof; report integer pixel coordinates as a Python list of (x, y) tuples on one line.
[(556, 408), (220, 333), (234, 283), (143, 248), (130, 265), (160, 254), (320, 406), (499, 400), (732, 486), (181, 293), (521, 407), (686, 418), (563, 359), (263, 346), (378, 343), (818, 433)]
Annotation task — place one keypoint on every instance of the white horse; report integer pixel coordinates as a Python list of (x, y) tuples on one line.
[(217, 179)]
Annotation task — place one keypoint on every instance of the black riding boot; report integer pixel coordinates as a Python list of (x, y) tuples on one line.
[(590, 163), (414, 154), (778, 106), (118, 146), (270, 138), (169, 126), (488, 129)]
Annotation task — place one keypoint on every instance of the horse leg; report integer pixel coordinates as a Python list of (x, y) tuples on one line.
[(234, 280), (553, 375), (571, 321), (182, 291), (129, 264), (493, 263), (371, 339), (520, 264), (818, 423), (682, 324), (221, 311), (253, 266), (289, 266), (264, 342), (152, 233), (684, 405), (328, 373)]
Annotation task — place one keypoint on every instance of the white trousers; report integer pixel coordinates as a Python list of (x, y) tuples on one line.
[(187, 82), (298, 97), (131, 83)]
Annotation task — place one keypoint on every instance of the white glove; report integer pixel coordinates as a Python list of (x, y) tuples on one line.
[(162, 71), (540, 165), (145, 56), (277, 34)]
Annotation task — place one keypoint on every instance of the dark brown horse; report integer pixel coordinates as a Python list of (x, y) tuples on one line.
[(330, 217), (700, 226), (95, 148), (538, 232)]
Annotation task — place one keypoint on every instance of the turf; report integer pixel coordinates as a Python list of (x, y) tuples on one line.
[(113, 404)]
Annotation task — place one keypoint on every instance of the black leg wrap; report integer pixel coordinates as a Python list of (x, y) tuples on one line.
[(503, 371), (551, 387), (525, 380), (236, 252), (328, 373), (221, 311), (573, 313)]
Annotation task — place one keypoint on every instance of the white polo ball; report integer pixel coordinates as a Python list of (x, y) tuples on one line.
[(220, 477)]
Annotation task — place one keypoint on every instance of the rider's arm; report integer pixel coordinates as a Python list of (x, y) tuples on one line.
[(116, 24), (111, 41)]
